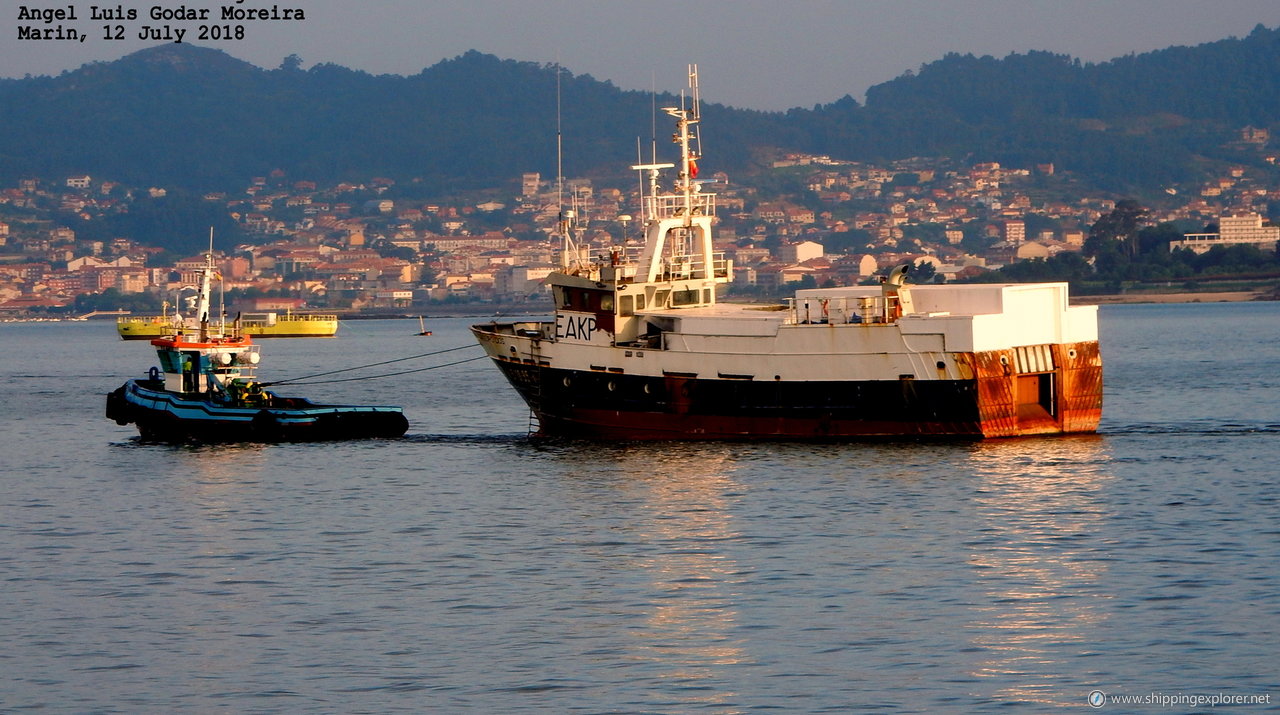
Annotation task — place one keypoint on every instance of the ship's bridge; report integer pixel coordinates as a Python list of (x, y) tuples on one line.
[(621, 264)]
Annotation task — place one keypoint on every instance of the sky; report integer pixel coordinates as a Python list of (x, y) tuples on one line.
[(752, 54)]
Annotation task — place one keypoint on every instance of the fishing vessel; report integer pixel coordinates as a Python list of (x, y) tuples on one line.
[(206, 390), (640, 348), (258, 325)]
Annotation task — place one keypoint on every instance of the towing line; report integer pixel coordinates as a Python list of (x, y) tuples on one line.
[(310, 379)]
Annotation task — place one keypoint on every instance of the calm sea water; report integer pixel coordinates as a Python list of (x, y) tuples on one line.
[(467, 568)]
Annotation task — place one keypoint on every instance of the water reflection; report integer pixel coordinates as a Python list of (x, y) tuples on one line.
[(681, 514), (1038, 504), (220, 463), (221, 485)]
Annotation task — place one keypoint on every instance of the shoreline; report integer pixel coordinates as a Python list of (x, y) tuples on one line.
[(493, 310), (1243, 296)]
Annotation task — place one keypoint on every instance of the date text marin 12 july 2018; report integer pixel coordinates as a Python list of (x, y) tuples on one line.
[(161, 13)]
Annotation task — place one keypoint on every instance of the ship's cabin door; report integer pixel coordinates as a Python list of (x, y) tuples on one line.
[(1036, 397), (1036, 390)]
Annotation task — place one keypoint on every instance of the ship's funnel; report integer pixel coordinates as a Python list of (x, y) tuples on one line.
[(898, 276), (896, 287)]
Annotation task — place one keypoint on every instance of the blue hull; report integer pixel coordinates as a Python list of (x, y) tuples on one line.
[(165, 416)]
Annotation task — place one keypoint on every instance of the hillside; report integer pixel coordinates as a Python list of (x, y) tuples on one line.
[(185, 116), (1136, 123)]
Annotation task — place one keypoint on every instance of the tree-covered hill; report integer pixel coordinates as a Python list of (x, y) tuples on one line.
[(192, 117), (1137, 122), (195, 117)]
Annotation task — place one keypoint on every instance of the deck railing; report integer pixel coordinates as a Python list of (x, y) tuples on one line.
[(876, 309), (673, 205)]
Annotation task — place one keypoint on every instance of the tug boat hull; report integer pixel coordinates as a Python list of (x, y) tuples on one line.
[(164, 416)]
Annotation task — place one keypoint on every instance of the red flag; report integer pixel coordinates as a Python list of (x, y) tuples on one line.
[(693, 168)]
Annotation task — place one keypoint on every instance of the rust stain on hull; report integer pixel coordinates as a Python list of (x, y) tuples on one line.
[(1064, 400)]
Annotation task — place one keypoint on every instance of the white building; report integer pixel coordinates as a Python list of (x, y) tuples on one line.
[(1232, 230), (530, 184), (800, 252)]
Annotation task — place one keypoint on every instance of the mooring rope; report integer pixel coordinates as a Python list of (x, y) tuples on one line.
[(309, 379)]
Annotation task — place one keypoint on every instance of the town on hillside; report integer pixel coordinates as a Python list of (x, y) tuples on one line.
[(807, 221)]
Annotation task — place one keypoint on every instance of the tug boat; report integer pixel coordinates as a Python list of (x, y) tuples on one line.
[(639, 348), (206, 390)]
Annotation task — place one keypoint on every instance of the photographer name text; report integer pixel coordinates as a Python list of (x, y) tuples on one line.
[(170, 23)]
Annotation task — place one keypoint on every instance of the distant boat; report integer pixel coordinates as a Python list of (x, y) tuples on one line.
[(259, 325), (422, 326)]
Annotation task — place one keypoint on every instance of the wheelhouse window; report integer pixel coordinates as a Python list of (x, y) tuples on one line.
[(684, 297)]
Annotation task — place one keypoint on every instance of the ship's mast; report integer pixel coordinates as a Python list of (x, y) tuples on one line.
[(565, 238), (571, 258), (678, 223), (685, 117), (202, 304)]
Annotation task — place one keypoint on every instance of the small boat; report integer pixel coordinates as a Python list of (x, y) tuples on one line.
[(640, 347), (206, 390), (259, 325), (422, 327)]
